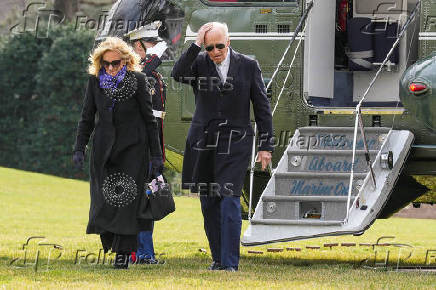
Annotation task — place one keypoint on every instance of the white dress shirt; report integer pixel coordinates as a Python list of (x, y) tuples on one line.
[(223, 67)]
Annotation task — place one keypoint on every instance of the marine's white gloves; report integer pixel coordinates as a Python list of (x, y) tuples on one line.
[(158, 49)]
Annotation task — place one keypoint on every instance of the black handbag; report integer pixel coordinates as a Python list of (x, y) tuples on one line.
[(156, 205)]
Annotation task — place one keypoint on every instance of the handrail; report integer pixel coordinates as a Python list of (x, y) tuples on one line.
[(365, 144), (358, 120), (253, 152)]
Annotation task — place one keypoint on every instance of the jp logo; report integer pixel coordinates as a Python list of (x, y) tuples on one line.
[(38, 19), (395, 255), (34, 254)]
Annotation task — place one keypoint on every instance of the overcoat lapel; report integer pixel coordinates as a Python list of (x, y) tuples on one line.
[(234, 66), (233, 69)]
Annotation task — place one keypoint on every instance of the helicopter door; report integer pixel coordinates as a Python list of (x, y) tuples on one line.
[(346, 42), (319, 50), (384, 18)]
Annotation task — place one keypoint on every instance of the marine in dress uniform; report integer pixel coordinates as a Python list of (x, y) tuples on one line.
[(147, 43)]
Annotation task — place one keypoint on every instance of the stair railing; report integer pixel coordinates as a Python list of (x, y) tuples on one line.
[(294, 36), (359, 122)]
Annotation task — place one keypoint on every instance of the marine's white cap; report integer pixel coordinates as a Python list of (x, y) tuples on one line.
[(147, 31)]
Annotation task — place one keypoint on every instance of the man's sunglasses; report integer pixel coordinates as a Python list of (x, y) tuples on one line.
[(114, 63), (218, 46)]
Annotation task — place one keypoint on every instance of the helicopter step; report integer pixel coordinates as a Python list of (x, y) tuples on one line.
[(308, 183), (308, 193), (327, 160), (337, 138), (304, 209)]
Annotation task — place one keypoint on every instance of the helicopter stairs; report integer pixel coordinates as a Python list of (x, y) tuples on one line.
[(307, 195)]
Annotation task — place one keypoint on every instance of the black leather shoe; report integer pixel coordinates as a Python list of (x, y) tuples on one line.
[(121, 261), (229, 269), (215, 266)]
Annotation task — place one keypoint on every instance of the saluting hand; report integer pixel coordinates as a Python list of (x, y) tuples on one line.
[(201, 32), (264, 157), (158, 49)]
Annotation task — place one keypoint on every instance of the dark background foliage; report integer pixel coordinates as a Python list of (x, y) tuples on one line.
[(42, 83)]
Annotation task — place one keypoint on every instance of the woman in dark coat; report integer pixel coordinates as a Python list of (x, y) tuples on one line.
[(118, 108)]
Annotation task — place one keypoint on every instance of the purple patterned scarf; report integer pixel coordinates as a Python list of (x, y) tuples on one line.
[(109, 82)]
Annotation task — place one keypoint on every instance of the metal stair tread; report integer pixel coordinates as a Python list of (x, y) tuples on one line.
[(296, 222), (343, 129), (319, 175), (305, 152), (325, 198)]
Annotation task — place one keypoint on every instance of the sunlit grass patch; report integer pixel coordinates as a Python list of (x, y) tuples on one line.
[(33, 204)]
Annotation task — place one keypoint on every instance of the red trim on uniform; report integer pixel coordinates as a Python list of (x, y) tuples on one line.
[(163, 141), (176, 38), (150, 59), (146, 61)]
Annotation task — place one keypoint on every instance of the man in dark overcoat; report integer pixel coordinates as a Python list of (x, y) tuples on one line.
[(220, 139)]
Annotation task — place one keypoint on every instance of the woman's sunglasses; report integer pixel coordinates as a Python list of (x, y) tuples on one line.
[(218, 46), (114, 63)]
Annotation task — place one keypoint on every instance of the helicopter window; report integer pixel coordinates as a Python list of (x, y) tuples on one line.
[(261, 28), (283, 28)]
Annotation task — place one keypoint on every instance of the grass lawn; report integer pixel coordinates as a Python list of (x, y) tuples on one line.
[(39, 205)]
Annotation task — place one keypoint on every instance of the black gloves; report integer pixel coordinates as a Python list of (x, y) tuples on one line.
[(78, 159), (156, 166)]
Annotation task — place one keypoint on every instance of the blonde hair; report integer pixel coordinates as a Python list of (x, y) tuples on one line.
[(118, 45)]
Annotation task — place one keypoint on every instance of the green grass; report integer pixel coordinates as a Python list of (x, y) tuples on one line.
[(430, 182), (35, 204)]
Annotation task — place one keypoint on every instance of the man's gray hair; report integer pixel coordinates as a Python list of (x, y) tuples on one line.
[(223, 27)]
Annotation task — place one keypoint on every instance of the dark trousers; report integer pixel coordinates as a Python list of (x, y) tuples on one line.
[(222, 224)]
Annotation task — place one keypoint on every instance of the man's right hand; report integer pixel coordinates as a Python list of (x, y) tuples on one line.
[(201, 32)]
